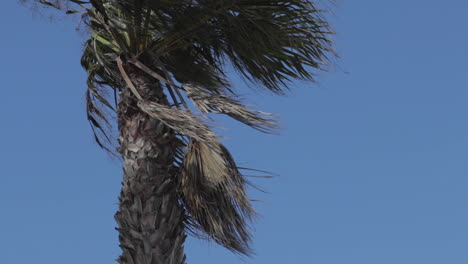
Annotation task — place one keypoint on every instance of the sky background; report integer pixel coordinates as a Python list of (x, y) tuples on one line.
[(371, 163)]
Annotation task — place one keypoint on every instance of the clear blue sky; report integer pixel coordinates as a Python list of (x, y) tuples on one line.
[(372, 162)]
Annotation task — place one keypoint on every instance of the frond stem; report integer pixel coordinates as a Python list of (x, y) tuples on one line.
[(127, 79)]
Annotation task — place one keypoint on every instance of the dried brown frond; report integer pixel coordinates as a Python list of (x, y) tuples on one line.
[(181, 121), (213, 192), (215, 102)]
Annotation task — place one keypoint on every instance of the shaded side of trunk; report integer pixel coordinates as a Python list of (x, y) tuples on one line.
[(149, 217)]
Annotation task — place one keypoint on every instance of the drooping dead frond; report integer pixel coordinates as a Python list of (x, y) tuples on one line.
[(181, 121), (215, 102), (213, 191)]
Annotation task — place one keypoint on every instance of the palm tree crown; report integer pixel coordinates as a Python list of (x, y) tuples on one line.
[(184, 46)]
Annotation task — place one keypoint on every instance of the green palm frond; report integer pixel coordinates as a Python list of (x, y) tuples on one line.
[(104, 82)]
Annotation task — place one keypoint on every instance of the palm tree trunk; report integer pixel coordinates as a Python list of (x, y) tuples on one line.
[(149, 218)]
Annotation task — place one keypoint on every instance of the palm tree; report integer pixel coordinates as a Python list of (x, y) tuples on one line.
[(145, 61)]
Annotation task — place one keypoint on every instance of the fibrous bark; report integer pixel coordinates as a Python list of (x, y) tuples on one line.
[(150, 218)]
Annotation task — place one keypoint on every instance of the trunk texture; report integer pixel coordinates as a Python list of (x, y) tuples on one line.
[(149, 218)]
